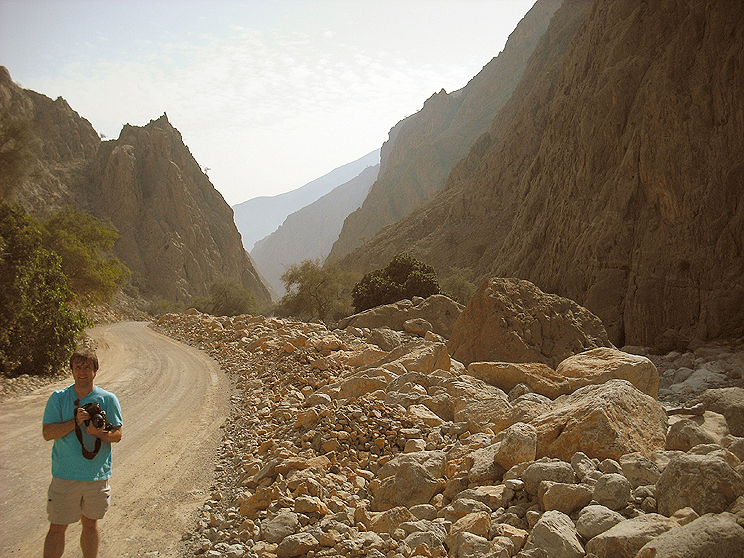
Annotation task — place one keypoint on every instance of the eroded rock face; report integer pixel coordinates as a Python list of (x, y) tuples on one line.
[(511, 320)]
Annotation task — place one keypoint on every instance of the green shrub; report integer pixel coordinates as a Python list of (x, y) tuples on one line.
[(403, 278), (38, 327), (84, 243)]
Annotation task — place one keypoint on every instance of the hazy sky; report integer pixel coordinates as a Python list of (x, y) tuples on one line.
[(268, 95)]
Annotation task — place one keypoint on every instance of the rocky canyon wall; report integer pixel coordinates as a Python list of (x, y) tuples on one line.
[(613, 176)]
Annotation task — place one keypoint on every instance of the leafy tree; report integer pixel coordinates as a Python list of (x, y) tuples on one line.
[(404, 277), (227, 297), (84, 243), (312, 290), (38, 327)]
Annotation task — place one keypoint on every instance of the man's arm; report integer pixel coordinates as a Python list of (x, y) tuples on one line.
[(55, 430), (112, 436)]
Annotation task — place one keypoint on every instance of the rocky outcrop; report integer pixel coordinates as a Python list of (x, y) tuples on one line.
[(611, 177), (61, 145), (511, 320), (423, 148), (176, 232)]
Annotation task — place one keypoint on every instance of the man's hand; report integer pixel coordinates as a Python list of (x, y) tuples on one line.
[(111, 436), (81, 416)]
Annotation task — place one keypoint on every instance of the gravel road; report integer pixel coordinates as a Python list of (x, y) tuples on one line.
[(174, 400)]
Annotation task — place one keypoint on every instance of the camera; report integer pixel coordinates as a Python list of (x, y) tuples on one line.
[(97, 416)]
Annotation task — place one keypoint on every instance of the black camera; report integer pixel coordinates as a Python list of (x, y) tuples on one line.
[(97, 416)]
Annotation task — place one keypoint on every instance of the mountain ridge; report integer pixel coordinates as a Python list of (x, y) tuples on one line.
[(258, 217)]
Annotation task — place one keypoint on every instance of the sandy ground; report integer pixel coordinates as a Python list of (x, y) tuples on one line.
[(174, 400)]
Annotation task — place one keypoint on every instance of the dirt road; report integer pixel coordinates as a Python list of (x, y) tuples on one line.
[(173, 400)]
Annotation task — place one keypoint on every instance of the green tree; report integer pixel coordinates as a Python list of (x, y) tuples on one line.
[(85, 245), (312, 291), (404, 277), (38, 327), (227, 297)]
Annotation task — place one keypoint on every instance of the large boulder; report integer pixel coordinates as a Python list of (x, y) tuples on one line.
[(710, 535), (604, 421), (592, 367), (626, 538), (729, 402), (439, 311), (511, 320), (705, 483), (555, 533), (599, 365)]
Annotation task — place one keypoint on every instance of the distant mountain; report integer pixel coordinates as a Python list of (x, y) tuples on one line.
[(423, 148), (176, 231), (613, 176), (310, 232), (259, 217)]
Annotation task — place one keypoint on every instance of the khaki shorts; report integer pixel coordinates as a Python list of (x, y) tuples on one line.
[(69, 499)]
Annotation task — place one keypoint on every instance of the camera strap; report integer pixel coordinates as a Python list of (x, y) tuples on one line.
[(87, 454)]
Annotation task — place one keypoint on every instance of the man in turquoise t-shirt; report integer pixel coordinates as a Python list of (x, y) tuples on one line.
[(81, 456)]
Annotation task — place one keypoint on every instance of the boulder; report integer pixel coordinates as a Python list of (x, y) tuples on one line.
[(729, 402), (626, 538), (595, 519), (555, 533), (564, 497), (276, 527), (511, 320), (297, 545), (612, 490), (685, 434), (639, 470), (439, 311), (411, 484), (539, 377), (710, 535), (516, 444), (705, 483), (604, 421), (602, 364), (546, 469)]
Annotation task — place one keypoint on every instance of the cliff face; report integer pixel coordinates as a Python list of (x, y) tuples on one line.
[(612, 177), (176, 231), (423, 148), (634, 204)]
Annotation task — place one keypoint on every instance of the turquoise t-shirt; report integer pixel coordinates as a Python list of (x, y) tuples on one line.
[(67, 456)]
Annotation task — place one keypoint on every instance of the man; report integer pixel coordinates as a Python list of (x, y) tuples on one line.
[(81, 456)]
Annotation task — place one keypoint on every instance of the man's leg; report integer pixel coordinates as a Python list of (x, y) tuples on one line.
[(89, 537), (54, 545)]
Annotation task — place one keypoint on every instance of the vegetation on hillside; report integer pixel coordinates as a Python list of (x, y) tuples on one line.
[(314, 292), (38, 326), (404, 277), (48, 270)]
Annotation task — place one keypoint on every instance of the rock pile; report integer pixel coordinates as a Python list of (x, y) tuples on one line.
[(339, 447)]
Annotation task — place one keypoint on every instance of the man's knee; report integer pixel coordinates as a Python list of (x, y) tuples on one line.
[(88, 523), (56, 528)]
